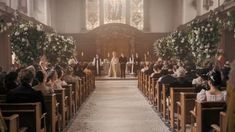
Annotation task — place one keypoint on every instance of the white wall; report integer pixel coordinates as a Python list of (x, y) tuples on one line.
[(161, 15), (189, 10), (67, 17)]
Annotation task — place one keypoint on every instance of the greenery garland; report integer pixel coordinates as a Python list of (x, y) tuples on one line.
[(58, 49), (27, 41)]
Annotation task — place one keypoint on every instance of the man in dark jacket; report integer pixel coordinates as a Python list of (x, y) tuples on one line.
[(123, 61), (25, 93)]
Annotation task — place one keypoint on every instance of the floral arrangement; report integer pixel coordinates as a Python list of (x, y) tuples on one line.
[(229, 22), (27, 40), (162, 48), (204, 37), (59, 49), (197, 42)]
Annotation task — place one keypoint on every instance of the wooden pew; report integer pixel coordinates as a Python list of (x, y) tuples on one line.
[(158, 96), (174, 97), (222, 125), (71, 101), (184, 105), (12, 123), (53, 112), (205, 114), (153, 91), (63, 106), (165, 89), (30, 115)]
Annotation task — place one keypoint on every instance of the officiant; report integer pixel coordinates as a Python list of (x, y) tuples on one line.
[(97, 64)]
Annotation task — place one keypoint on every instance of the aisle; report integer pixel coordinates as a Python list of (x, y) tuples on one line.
[(117, 106)]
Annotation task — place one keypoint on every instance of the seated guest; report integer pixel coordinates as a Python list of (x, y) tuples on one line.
[(157, 72), (87, 69), (146, 67), (11, 81), (51, 80), (78, 70), (214, 93), (225, 72), (68, 77), (201, 81), (25, 93), (33, 70), (60, 73), (41, 76), (3, 89)]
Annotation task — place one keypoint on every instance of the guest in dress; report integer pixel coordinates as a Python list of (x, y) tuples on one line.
[(60, 82), (214, 93), (41, 76), (51, 79)]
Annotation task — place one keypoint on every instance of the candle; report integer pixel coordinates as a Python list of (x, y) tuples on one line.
[(82, 53), (145, 57)]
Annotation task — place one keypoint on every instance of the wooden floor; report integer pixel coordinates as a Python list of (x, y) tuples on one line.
[(117, 106)]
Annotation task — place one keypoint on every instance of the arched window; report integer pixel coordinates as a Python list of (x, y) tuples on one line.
[(92, 14), (100, 12)]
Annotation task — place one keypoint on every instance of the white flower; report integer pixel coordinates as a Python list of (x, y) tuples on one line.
[(182, 41), (39, 28), (21, 25), (25, 29), (206, 29), (217, 19), (17, 33), (9, 24), (23, 40), (208, 25), (211, 29), (228, 13), (208, 56)]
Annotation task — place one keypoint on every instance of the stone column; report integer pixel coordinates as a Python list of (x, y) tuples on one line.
[(146, 16), (83, 15)]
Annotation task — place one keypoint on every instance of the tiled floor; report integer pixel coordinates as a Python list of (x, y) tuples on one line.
[(117, 106)]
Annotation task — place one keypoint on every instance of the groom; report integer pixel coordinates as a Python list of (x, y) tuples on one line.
[(123, 61)]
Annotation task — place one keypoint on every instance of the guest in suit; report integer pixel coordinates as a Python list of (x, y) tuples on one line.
[(25, 93), (136, 63), (97, 64), (123, 61), (11, 81)]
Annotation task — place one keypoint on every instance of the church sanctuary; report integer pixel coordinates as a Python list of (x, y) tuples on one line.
[(117, 65)]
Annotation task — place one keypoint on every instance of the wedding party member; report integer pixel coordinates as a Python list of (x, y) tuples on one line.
[(114, 66), (123, 61), (97, 64)]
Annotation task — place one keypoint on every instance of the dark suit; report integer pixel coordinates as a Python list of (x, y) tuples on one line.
[(123, 61), (25, 94), (136, 65)]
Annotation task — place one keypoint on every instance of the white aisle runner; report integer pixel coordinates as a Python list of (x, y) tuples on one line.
[(117, 106)]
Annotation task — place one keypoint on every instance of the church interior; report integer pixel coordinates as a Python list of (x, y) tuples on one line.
[(117, 66)]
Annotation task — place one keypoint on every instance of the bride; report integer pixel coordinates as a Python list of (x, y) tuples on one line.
[(114, 66)]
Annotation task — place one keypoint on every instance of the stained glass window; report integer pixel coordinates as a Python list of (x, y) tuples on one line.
[(137, 14), (92, 14), (114, 11)]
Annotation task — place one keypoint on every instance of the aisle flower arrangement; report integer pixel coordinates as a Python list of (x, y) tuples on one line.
[(58, 49), (197, 42), (204, 37), (27, 40)]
